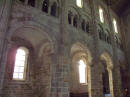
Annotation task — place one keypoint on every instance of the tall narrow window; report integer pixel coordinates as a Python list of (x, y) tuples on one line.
[(45, 6), (31, 3), (82, 72), (101, 15), (20, 64), (115, 25), (79, 3)]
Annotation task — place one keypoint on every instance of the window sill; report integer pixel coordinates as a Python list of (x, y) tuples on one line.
[(83, 84), (19, 81)]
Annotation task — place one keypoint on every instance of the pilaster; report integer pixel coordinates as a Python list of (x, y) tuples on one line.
[(61, 85), (4, 21)]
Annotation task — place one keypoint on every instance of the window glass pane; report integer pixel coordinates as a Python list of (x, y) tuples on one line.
[(79, 3), (101, 14), (82, 71), (15, 75), (20, 75), (20, 64), (22, 57), (21, 69), (115, 25), (16, 69)]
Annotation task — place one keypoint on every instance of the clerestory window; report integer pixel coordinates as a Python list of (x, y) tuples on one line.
[(20, 63), (79, 3), (115, 25), (101, 15)]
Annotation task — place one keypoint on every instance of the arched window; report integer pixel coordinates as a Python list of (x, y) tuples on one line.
[(53, 9), (82, 72), (79, 3), (20, 63), (69, 17), (22, 1), (83, 25), (101, 15), (115, 25), (87, 27), (75, 21), (31, 3), (45, 6)]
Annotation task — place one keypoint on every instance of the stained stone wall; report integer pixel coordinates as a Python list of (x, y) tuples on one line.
[(52, 42)]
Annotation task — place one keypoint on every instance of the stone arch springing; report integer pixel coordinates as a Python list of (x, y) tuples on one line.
[(31, 3), (45, 6), (108, 65)]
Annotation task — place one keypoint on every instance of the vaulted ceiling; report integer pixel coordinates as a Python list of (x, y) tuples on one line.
[(119, 6)]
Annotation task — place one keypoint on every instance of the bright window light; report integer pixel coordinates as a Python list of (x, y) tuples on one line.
[(101, 14), (79, 3), (82, 71), (115, 25), (19, 67)]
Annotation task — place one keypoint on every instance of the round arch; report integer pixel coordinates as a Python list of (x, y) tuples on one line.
[(107, 64), (79, 52), (43, 46)]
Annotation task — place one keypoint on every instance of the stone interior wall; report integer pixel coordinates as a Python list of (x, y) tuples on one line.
[(126, 41), (37, 27)]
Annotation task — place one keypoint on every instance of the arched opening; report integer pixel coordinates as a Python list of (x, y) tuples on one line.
[(75, 23), (80, 59), (31, 3), (105, 78), (107, 75), (39, 65), (45, 6), (54, 9), (83, 25), (69, 18), (87, 27)]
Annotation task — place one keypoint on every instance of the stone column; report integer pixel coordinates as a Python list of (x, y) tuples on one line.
[(60, 82), (95, 76), (4, 22), (116, 72), (95, 81), (117, 85)]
